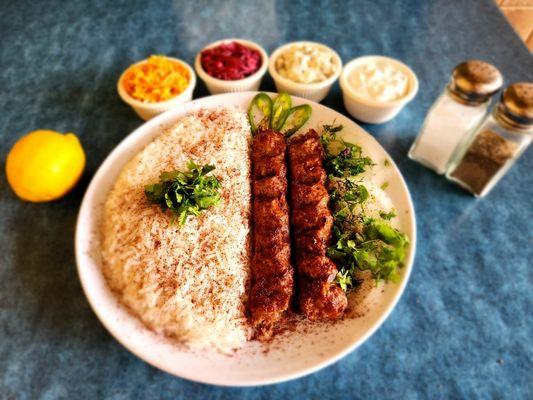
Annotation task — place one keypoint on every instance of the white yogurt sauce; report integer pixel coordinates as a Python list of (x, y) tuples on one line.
[(379, 81)]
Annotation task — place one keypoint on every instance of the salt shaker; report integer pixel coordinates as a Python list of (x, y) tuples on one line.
[(459, 109), (488, 152)]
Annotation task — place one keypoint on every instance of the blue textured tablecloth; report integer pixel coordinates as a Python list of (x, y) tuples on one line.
[(464, 326)]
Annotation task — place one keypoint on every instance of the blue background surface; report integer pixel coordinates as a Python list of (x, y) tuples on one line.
[(464, 326)]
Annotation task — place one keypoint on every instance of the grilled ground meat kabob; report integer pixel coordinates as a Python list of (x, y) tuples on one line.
[(273, 283), (273, 274), (319, 297)]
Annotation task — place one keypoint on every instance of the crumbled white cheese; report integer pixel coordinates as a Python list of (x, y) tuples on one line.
[(306, 63)]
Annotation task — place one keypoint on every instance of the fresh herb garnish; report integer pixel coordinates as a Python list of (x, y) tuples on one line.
[(185, 193), (373, 245), (360, 242), (342, 158), (344, 279), (387, 215)]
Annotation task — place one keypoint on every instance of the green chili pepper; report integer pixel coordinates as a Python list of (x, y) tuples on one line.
[(262, 103), (296, 118), (280, 110)]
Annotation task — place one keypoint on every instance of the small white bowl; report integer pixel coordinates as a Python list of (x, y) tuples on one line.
[(311, 91), (250, 83), (149, 110), (373, 111)]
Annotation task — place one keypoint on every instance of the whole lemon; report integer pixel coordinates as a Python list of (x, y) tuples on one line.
[(44, 165)]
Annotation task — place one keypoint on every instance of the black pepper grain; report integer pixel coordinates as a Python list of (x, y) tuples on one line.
[(487, 154)]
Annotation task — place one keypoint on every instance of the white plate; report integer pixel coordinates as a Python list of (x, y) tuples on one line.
[(290, 356)]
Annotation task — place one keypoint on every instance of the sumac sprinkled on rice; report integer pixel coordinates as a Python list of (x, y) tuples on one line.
[(186, 281), (230, 61)]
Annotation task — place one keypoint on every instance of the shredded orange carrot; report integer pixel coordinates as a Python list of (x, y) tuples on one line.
[(157, 79)]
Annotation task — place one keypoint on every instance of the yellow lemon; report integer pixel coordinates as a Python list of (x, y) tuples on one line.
[(44, 165)]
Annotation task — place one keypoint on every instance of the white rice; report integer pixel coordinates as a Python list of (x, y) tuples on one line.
[(187, 282)]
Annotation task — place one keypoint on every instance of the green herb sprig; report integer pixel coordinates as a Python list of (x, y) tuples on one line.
[(342, 158), (360, 243), (378, 247), (185, 193)]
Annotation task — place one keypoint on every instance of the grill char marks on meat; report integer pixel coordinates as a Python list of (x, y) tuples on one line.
[(272, 272), (311, 220)]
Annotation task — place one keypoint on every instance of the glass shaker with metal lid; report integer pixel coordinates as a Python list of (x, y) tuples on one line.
[(487, 153), (459, 109)]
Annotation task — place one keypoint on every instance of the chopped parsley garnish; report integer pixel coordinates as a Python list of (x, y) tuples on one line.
[(360, 242), (342, 158), (364, 243), (379, 248), (185, 193), (388, 216)]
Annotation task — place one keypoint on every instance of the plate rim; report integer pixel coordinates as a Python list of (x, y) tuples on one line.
[(161, 120)]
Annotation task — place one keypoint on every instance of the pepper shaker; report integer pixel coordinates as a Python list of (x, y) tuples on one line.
[(459, 109), (484, 157)]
